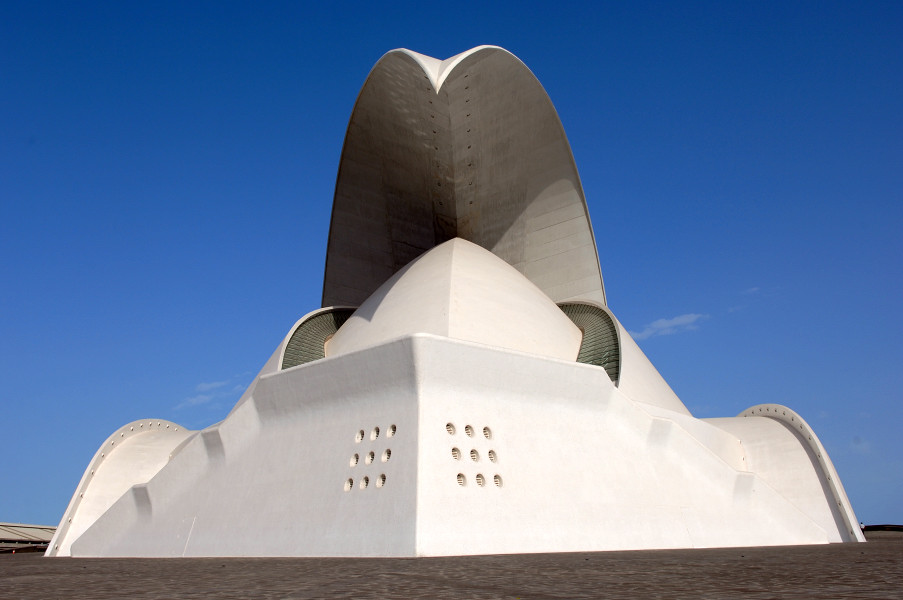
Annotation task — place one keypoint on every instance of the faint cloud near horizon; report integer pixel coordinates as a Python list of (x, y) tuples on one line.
[(194, 401), (860, 446), (206, 387), (750, 291), (209, 391), (687, 322)]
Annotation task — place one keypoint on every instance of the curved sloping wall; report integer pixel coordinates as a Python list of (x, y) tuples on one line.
[(483, 157), (463, 292), (126, 460), (640, 380), (783, 450)]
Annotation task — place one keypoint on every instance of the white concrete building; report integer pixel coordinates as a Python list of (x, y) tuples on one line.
[(465, 389)]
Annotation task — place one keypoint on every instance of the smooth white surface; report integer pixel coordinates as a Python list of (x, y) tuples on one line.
[(453, 391), (131, 455), (767, 432), (464, 292), (640, 380), (582, 467)]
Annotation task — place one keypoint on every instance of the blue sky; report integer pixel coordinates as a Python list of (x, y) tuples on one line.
[(167, 171)]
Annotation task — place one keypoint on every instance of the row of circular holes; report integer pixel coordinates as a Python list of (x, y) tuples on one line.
[(370, 457), (380, 481), (481, 481), (450, 428), (470, 164), (793, 419), (474, 455), (122, 435), (470, 158), (113, 443), (374, 434), (433, 116), (435, 130), (784, 412)]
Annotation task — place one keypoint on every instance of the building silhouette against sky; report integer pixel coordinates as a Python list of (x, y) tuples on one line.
[(464, 389)]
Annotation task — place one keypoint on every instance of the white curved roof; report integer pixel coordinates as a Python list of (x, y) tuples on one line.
[(458, 223), (131, 456), (461, 291), (469, 147)]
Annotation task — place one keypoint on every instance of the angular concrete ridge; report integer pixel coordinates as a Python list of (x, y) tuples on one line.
[(470, 147), (472, 296), (465, 389)]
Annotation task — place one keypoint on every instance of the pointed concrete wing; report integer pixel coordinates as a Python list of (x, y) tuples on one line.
[(469, 147)]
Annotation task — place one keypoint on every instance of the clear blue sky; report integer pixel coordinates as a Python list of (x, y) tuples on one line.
[(167, 170)]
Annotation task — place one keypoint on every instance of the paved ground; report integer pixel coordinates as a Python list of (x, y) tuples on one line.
[(871, 570)]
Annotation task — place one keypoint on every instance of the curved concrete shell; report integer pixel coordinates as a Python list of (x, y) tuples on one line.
[(466, 390), (469, 295), (127, 460), (471, 148)]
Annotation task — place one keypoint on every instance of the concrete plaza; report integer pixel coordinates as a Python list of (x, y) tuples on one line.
[(870, 570)]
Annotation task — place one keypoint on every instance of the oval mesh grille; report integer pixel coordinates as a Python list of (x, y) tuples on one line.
[(600, 337), (307, 342)]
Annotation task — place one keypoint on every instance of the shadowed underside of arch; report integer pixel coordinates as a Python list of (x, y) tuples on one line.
[(470, 147)]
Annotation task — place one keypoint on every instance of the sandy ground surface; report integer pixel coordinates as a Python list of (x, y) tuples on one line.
[(870, 570)]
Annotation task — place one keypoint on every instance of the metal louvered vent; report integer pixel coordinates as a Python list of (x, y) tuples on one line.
[(600, 337), (307, 342)]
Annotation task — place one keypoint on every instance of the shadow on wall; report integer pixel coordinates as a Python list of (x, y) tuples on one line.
[(420, 167)]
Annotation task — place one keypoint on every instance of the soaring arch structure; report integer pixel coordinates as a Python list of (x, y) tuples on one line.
[(471, 148), (464, 389)]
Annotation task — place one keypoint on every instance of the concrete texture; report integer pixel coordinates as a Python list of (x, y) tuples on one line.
[(451, 414), (469, 147), (873, 570)]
